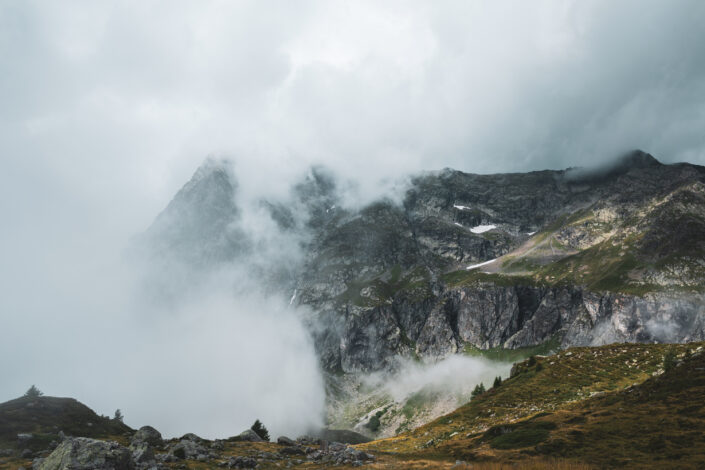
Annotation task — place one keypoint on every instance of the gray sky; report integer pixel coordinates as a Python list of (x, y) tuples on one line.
[(107, 108)]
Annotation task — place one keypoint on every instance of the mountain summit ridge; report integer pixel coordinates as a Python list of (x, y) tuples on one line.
[(480, 261)]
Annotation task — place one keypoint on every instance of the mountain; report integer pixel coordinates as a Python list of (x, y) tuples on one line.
[(472, 261), (461, 264), (513, 260)]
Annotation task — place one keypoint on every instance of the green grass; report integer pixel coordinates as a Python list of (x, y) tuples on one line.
[(414, 285), (607, 406), (474, 278), (514, 355)]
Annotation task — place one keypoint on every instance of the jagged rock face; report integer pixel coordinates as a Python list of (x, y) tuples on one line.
[(81, 453), (511, 317), (198, 227), (377, 278)]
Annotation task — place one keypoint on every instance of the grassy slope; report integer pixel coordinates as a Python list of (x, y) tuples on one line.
[(582, 404)]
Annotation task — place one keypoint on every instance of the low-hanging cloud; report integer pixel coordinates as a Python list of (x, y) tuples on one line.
[(453, 376)]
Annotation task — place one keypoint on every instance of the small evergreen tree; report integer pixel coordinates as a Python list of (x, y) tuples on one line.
[(118, 415), (532, 361), (373, 424), (260, 430), (669, 360), (33, 392), (497, 382), (478, 390)]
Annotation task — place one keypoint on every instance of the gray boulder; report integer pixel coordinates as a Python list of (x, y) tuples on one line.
[(142, 452), (149, 435), (292, 451), (249, 435), (81, 453), (191, 437), (241, 462), (285, 441), (187, 449)]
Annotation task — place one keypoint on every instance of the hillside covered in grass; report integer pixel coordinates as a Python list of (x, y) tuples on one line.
[(611, 406)]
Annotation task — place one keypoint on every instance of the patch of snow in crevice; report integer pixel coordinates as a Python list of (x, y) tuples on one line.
[(530, 233), (460, 207), (456, 223), (293, 297), (481, 264), (482, 228)]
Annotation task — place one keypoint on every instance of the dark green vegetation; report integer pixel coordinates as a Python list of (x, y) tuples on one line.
[(621, 405), (260, 430), (515, 436)]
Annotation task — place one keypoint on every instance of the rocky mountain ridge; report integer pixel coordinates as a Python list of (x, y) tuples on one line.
[(505, 260)]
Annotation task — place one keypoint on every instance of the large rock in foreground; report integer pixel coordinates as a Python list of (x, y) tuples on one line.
[(81, 453), (248, 435), (149, 435)]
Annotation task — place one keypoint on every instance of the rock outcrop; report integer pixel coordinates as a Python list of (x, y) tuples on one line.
[(490, 316), (81, 453), (148, 435)]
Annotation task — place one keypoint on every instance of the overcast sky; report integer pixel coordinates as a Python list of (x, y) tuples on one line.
[(107, 108)]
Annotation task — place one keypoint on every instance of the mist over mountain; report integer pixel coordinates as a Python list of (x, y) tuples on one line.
[(343, 215), (455, 262)]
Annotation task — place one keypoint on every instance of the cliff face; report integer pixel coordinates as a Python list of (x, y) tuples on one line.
[(491, 316), (483, 261)]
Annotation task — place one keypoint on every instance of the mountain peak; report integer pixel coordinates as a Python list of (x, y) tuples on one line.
[(636, 159)]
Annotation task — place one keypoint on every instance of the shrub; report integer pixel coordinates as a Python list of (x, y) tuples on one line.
[(669, 360), (373, 424), (260, 430), (33, 392), (478, 390)]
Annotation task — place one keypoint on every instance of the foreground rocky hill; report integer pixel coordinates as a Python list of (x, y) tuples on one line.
[(33, 423)]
